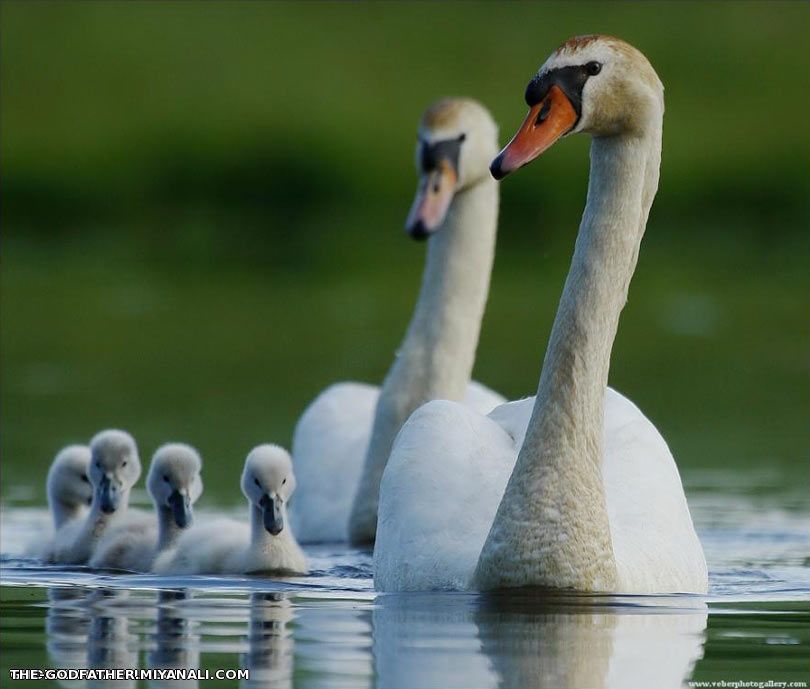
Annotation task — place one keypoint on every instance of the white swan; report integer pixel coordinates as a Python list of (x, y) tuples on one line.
[(114, 468), (343, 439), (230, 547), (174, 484), (593, 500)]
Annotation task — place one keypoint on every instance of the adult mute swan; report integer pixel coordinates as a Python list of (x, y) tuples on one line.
[(592, 501), (230, 547), (343, 439), (174, 484), (114, 468)]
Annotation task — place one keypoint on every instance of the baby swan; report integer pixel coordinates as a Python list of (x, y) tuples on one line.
[(174, 484), (114, 469), (68, 486), (69, 493), (229, 547)]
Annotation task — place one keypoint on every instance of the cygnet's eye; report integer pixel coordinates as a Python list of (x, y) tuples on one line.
[(166, 477), (256, 481), (123, 464), (85, 479), (284, 481), (98, 463), (462, 137), (593, 68)]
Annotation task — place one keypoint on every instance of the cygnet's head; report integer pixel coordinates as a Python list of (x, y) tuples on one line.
[(268, 482), (68, 484), (114, 468), (174, 481), (594, 84), (456, 142)]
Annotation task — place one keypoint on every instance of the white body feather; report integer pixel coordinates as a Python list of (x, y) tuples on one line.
[(448, 472)]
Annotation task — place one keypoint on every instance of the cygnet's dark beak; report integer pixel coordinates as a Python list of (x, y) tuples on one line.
[(271, 514), (108, 494), (181, 508)]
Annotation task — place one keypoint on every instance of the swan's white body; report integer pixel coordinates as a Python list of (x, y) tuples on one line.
[(574, 488), (343, 440), (330, 444), (447, 475), (226, 546), (174, 484), (114, 469)]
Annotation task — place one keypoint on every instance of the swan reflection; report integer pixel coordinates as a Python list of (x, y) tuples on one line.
[(110, 643), (270, 640), (67, 626), (532, 639), (177, 643)]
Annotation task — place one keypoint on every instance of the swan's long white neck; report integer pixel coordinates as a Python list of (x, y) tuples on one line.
[(436, 358), (552, 528)]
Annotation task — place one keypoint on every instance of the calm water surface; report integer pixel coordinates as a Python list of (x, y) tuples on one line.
[(332, 630)]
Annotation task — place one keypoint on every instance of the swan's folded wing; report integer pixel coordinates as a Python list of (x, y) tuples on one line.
[(329, 447), (654, 540), (514, 418), (482, 399), (439, 493)]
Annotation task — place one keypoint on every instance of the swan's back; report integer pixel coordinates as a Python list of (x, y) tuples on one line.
[(329, 447)]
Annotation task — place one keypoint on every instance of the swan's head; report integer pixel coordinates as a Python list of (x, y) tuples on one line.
[(174, 481), (456, 141), (595, 84), (114, 468), (68, 482), (268, 482)]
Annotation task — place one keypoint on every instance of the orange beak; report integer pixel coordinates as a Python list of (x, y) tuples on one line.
[(546, 122), (433, 197)]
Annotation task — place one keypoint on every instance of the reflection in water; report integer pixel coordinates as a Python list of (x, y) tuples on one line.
[(270, 658), (67, 625), (177, 645), (534, 639), (110, 644), (333, 644)]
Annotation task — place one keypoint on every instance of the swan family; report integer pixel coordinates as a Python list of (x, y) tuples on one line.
[(454, 487)]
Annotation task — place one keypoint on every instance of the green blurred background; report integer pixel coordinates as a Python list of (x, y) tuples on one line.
[(202, 207)]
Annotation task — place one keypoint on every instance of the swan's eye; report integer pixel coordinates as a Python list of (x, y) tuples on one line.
[(256, 481), (98, 464), (166, 477), (85, 479), (284, 481), (593, 68), (123, 464), (462, 137)]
